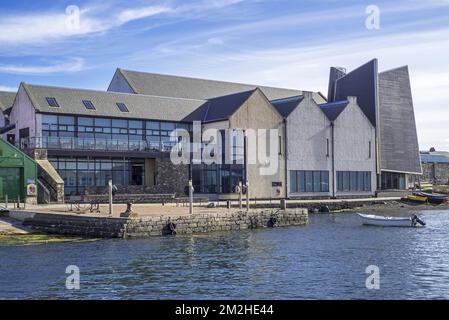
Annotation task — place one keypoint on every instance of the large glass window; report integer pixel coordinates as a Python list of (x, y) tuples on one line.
[(348, 181), (107, 133), (217, 178), (393, 181), (80, 173), (309, 181)]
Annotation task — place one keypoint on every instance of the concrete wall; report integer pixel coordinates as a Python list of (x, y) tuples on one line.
[(23, 115), (308, 129), (353, 133), (258, 113), (437, 173), (119, 84)]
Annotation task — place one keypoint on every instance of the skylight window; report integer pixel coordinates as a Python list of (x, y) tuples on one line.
[(52, 102), (122, 107), (88, 104)]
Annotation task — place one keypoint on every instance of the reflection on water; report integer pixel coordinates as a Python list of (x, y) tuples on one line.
[(324, 260)]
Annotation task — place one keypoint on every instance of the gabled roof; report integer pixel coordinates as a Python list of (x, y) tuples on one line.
[(333, 109), (361, 83), (139, 106), (220, 108), (287, 105), (193, 88), (6, 99)]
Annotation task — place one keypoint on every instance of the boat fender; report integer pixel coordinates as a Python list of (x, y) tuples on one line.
[(272, 222), (172, 228)]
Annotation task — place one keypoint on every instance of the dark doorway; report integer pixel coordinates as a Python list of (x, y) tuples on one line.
[(137, 174), (11, 138)]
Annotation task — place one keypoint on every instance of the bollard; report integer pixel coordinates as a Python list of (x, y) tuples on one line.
[(110, 197), (240, 195), (190, 197), (247, 195), (283, 204), (18, 202), (6, 201), (228, 204)]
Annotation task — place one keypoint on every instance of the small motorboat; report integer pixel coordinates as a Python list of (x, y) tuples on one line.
[(432, 198), (382, 221), (415, 198)]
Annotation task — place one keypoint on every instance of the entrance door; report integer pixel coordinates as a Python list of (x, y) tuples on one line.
[(10, 183), (137, 174)]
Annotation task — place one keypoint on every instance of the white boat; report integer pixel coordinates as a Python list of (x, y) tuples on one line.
[(382, 221)]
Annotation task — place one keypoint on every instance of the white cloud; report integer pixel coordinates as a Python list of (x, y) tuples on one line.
[(48, 26), (44, 27), (140, 13), (215, 41), (7, 88), (74, 65)]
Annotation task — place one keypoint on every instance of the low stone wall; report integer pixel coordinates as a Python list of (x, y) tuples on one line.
[(103, 227)]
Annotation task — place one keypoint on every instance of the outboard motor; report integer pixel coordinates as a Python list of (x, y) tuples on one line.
[(416, 220)]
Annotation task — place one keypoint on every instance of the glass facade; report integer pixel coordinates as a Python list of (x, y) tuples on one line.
[(223, 177), (393, 181), (348, 181), (309, 181), (80, 173), (94, 133)]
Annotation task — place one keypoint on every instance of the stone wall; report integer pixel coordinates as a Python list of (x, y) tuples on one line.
[(437, 173), (104, 227)]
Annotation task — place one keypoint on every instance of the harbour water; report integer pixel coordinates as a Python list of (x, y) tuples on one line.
[(326, 259)]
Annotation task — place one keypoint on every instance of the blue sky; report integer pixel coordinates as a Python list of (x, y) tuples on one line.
[(269, 42)]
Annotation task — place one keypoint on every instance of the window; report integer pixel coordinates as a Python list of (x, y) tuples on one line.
[(309, 181), (88, 104), (393, 181), (52, 102), (369, 150), (122, 107), (348, 181)]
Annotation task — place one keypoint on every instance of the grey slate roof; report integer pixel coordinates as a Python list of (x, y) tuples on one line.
[(333, 109), (192, 88), (434, 158), (6, 99), (140, 106), (287, 105), (361, 83), (220, 108)]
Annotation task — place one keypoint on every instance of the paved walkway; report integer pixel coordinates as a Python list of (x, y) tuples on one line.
[(171, 209)]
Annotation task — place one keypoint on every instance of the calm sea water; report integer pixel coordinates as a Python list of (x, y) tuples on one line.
[(324, 260)]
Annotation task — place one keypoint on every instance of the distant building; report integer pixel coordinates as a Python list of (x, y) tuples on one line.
[(435, 166)]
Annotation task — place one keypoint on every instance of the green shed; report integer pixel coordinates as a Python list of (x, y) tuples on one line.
[(18, 174)]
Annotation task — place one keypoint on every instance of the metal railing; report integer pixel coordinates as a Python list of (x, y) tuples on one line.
[(70, 143)]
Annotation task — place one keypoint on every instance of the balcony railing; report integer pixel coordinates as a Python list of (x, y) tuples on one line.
[(63, 143)]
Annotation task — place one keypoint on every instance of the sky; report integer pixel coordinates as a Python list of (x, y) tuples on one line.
[(280, 43)]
